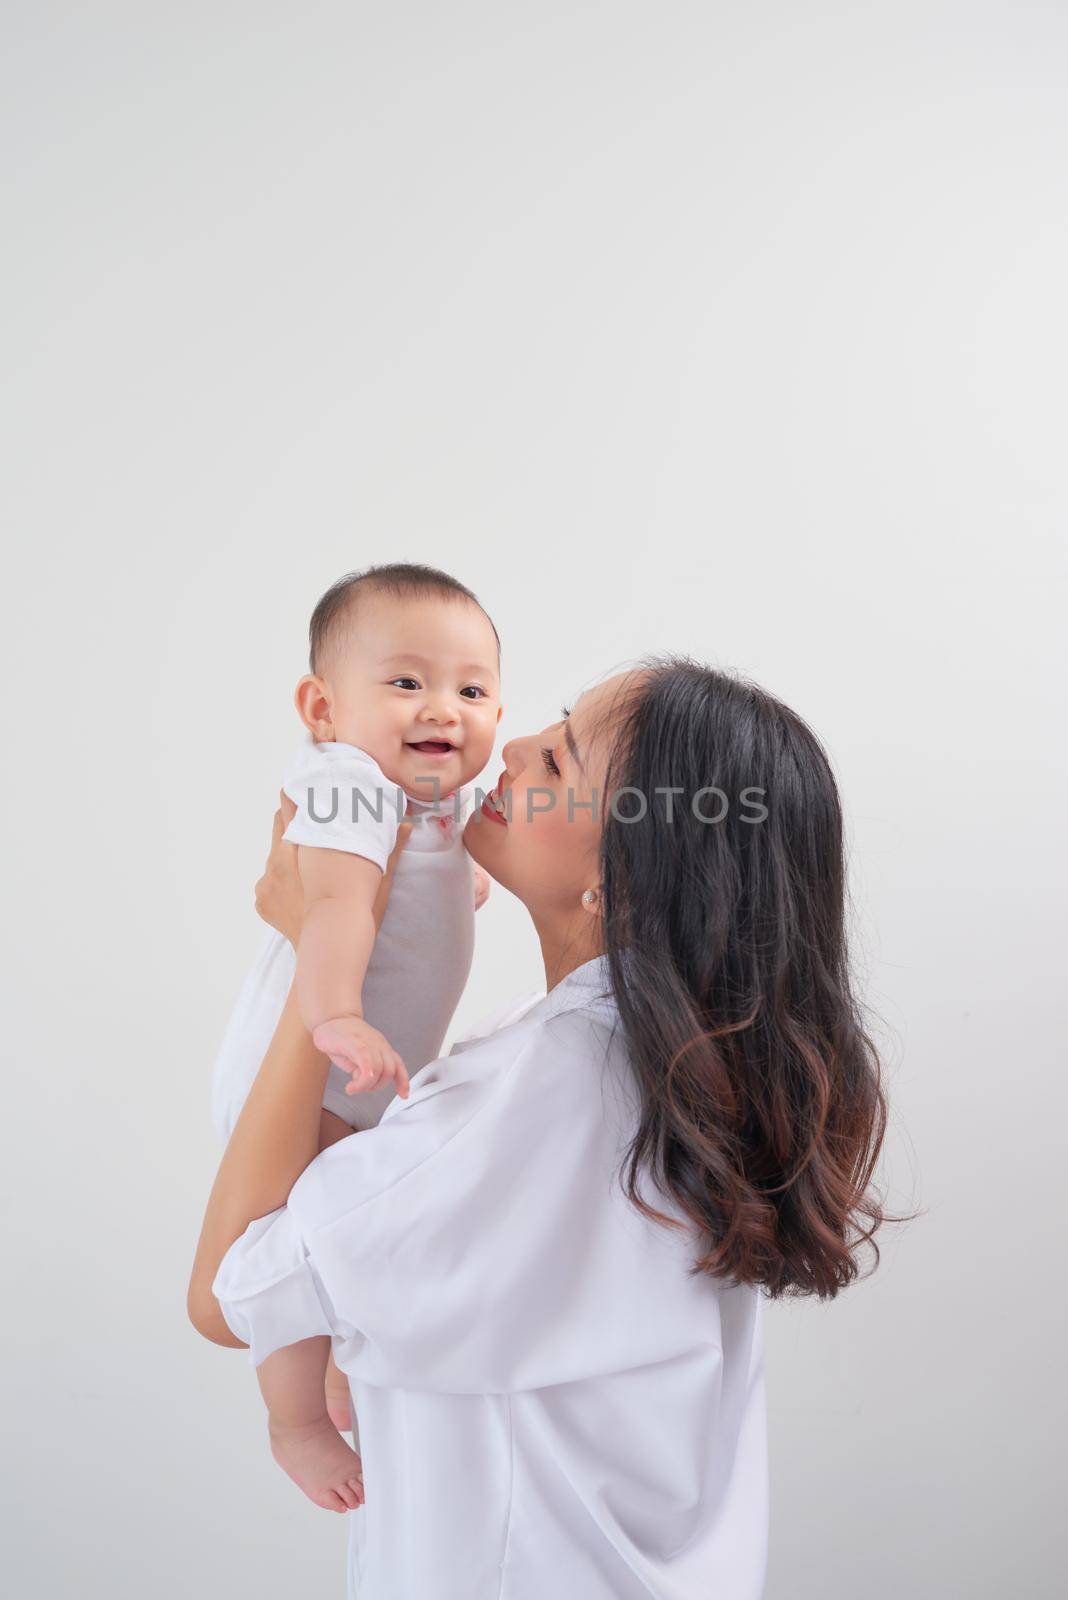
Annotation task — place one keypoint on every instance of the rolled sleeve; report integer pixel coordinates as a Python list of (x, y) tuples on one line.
[(268, 1290)]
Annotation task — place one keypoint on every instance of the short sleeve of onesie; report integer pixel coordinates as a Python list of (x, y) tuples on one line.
[(344, 801)]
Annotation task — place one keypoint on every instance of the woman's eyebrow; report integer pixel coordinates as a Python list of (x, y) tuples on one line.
[(569, 740)]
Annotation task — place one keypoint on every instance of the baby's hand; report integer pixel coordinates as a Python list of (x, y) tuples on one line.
[(354, 1046), (482, 884)]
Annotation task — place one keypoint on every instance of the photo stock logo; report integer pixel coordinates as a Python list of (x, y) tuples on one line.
[(667, 804)]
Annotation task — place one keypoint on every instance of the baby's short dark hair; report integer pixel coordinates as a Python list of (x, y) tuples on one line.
[(401, 578)]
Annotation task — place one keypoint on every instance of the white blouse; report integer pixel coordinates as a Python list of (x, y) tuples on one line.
[(547, 1402)]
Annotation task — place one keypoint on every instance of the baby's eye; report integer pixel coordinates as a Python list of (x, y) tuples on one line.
[(474, 690), (404, 683)]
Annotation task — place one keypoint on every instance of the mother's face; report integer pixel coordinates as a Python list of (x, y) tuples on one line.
[(545, 846)]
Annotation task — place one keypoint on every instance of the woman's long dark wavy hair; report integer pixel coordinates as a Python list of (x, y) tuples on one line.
[(762, 1110)]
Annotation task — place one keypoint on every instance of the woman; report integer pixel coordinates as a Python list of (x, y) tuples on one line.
[(543, 1272)]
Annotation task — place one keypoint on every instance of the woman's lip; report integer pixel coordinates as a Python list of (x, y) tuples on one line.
[(487, 810)]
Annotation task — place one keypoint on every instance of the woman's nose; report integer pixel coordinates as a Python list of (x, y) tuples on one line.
[(514, 756)]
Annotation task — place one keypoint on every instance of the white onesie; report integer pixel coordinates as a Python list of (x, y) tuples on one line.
[(422, 954)]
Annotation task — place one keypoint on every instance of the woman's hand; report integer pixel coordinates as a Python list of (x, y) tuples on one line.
[(279, 895)]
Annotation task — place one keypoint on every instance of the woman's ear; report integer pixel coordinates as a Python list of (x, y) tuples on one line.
[(314, 706)]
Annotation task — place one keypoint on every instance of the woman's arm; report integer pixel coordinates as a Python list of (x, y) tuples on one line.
[(275, 1138), (277, 1134)]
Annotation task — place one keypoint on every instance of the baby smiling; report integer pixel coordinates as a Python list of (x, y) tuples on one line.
[(406, 697)]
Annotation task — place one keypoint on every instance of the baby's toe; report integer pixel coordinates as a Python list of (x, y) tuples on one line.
[(348, 1494), (331, 1501)]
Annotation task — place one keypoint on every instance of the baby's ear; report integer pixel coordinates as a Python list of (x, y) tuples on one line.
[(500, 713), (312, 700)]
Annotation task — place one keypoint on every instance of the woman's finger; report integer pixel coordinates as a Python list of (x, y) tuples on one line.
[(400, 1075), (404, 833), (382, 897), (282, 817)]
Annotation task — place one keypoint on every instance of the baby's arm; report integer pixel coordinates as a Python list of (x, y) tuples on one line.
[(336, 940), (338, 932)]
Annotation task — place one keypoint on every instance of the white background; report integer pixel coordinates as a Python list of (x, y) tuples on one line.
[(730, 329)]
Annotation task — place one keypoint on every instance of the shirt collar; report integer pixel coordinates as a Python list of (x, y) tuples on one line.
[(587, 988)]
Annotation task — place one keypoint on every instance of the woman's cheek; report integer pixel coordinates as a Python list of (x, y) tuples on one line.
[(558, 840)]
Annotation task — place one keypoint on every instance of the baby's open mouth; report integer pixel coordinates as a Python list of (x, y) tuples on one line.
[(432, 747)]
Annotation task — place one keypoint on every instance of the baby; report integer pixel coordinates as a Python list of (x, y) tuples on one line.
[(400, 709)]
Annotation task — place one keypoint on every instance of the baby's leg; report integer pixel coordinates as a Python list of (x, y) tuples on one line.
[(338, 1406), (338, 1399), (304, 1441)]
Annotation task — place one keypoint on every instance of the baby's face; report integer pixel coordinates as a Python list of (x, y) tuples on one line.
[(416, 685)]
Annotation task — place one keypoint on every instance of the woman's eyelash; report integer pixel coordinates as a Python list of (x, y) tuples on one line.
[(550, 761)]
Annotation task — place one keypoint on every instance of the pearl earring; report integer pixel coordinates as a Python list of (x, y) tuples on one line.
[(589, 897)]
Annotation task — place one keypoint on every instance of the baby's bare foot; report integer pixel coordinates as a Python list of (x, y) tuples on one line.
[(319, 1461)]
